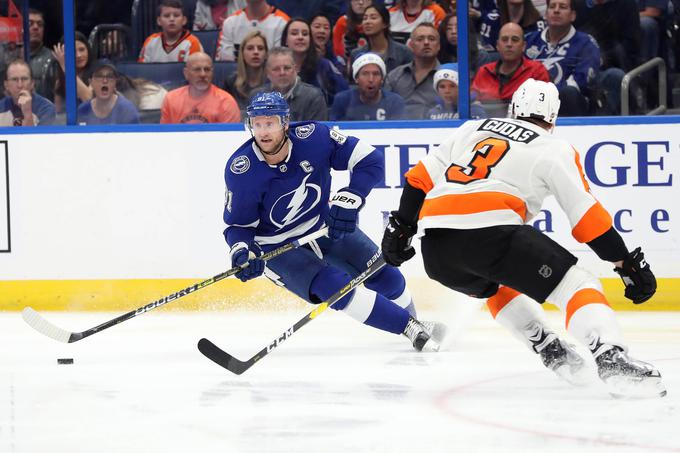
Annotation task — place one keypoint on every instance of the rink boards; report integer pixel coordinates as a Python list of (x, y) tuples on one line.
[(111, 221)]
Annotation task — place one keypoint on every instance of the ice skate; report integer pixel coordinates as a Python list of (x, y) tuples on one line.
[(422, 338), (561, 357), (626, 377), (437, 330)]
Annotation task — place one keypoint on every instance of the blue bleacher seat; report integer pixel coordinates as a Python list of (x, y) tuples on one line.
[(208, 40), (222, 70)]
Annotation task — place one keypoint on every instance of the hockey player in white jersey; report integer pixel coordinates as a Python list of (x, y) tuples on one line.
[(471, 200)]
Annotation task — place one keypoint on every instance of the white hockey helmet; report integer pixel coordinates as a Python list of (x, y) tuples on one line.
[(536, 99)]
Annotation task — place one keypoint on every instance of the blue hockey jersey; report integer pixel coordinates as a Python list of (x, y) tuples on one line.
[(275, 204), (573, 61)]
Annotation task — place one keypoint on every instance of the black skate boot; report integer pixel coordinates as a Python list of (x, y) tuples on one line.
[(420, 336), (626, 377), (557, 355), (562, 358)]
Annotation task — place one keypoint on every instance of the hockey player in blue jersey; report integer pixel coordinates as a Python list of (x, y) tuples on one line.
[(278, 190)]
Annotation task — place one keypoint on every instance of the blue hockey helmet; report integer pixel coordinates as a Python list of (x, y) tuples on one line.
[(269, 103)]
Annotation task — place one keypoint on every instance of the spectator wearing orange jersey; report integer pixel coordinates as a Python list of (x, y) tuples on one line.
[(174, 43), (407, 14), (200, 101), (348, 31)]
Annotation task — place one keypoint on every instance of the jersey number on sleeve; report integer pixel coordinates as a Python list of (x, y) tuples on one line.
[(487, 154)]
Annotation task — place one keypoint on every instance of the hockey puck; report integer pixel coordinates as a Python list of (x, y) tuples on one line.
[(65, 361)]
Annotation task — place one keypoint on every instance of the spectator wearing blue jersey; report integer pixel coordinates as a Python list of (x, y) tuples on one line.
[(489, 24), (446, 86), (368, 101), (500, 12), (571, 57), (312, 69), (106, 105)]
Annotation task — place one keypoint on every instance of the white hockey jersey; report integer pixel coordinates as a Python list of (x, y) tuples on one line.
[(154, 49), (402, 26), (498, 171), (238, 25)]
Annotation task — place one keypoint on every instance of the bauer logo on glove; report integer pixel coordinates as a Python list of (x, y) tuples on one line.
[(347, 200)]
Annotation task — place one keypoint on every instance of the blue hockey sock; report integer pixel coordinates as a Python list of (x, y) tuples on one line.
[(377, 311)]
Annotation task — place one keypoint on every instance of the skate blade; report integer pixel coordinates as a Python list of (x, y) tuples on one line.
[(579, 377), (626, 387), (431, 346), (439, 332)]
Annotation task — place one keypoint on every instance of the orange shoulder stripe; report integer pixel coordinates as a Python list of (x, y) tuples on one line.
[(502, 298), (438, 12), (577, 158), (419, 178), (195, 44), (472, 203), (594, 223), (581, 298), (282, 15)]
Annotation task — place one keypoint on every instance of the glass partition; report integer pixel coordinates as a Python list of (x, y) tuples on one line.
[(178, 62)]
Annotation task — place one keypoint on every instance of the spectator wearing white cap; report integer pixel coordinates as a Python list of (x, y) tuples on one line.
[(368, 100), (446, 85)]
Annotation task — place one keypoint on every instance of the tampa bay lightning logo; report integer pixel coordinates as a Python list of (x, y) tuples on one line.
[(240, 165), (291, 206), (304, 131)]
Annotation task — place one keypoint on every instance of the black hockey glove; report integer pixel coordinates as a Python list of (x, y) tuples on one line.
[(396, 242), (637, 276)]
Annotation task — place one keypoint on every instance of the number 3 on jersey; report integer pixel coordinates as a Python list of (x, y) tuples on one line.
[(487, 154)]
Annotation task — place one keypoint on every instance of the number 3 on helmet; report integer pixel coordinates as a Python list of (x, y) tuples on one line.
[(536, 99)]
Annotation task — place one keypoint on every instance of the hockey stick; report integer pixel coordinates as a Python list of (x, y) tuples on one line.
[(236, 366), (35, 320)]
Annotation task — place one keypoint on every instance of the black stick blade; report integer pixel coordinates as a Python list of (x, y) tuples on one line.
[(222, 358)]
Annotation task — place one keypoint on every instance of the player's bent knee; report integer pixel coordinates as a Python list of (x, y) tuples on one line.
[(573, 281), (327, 282), (389, 282)]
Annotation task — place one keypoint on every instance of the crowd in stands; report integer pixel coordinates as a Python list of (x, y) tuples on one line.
[(339, 59)]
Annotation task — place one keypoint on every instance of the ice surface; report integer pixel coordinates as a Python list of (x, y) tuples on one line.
[(335, 386)]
